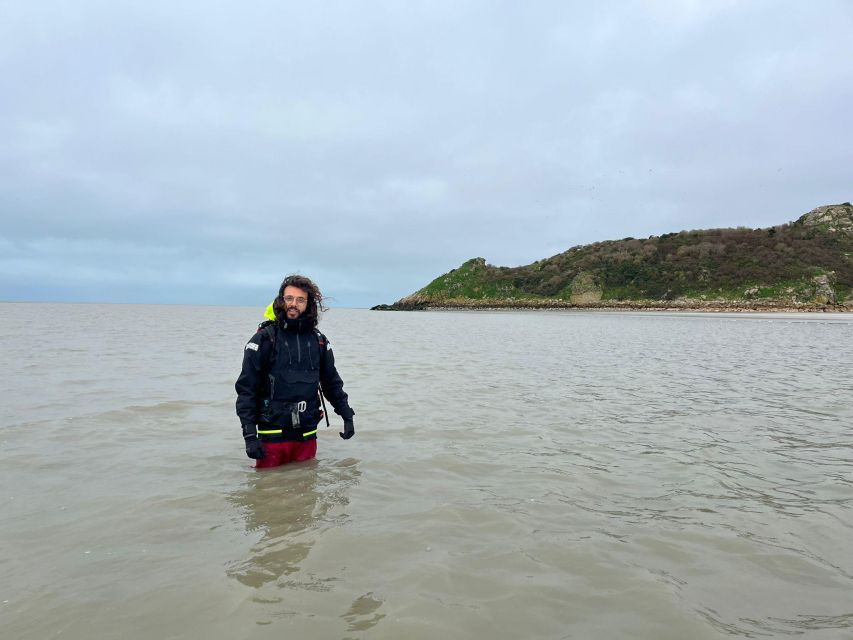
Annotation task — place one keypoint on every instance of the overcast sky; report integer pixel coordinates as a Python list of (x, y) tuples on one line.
[(200, 151)]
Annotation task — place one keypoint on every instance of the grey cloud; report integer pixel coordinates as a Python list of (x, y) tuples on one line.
[(201, 151)]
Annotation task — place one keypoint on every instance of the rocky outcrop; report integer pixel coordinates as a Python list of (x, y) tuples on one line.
[(833, 218), (410, 303)]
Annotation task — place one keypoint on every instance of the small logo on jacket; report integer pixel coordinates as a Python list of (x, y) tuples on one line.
[(252, 346)]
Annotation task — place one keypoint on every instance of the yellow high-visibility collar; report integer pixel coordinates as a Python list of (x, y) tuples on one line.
[(269, 314)]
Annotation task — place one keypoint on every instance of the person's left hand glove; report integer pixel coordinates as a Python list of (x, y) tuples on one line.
[(349, 429)]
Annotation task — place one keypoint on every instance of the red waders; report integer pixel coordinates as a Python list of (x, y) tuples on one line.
[(279, 453)]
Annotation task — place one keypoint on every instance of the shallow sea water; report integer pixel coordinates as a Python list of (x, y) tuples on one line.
[(513, 475)]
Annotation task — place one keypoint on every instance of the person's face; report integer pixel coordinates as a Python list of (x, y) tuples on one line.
[(295, 301)]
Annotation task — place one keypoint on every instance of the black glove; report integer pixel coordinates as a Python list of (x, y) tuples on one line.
[(349, 429), (254, 448)]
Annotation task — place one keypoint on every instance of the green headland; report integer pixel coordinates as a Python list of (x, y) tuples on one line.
[(802, 265)]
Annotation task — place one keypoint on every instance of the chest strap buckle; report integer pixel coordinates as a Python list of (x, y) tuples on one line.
[(296, 409)]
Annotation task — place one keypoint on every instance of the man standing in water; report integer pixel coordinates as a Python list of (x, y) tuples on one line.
[(286, 365)]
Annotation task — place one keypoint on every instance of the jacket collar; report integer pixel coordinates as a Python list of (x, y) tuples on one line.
[(300, 325)]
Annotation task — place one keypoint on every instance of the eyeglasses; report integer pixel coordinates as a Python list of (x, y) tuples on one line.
[(291, 300)]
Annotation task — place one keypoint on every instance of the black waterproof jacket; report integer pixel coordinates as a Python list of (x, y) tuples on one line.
[(277, 391)]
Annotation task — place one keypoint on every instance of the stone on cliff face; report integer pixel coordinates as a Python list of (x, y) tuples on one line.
[(584, 289), (824, 293), (750, 292)]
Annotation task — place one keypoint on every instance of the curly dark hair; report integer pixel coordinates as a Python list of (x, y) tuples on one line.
[(311, 315)]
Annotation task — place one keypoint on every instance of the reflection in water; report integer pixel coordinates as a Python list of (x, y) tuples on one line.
[(291, 506), (364, 606)]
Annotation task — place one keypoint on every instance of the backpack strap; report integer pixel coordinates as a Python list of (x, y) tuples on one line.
[(322, 342), (268, 327)]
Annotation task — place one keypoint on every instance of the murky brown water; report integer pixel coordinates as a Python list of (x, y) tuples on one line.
[(514, 475)]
